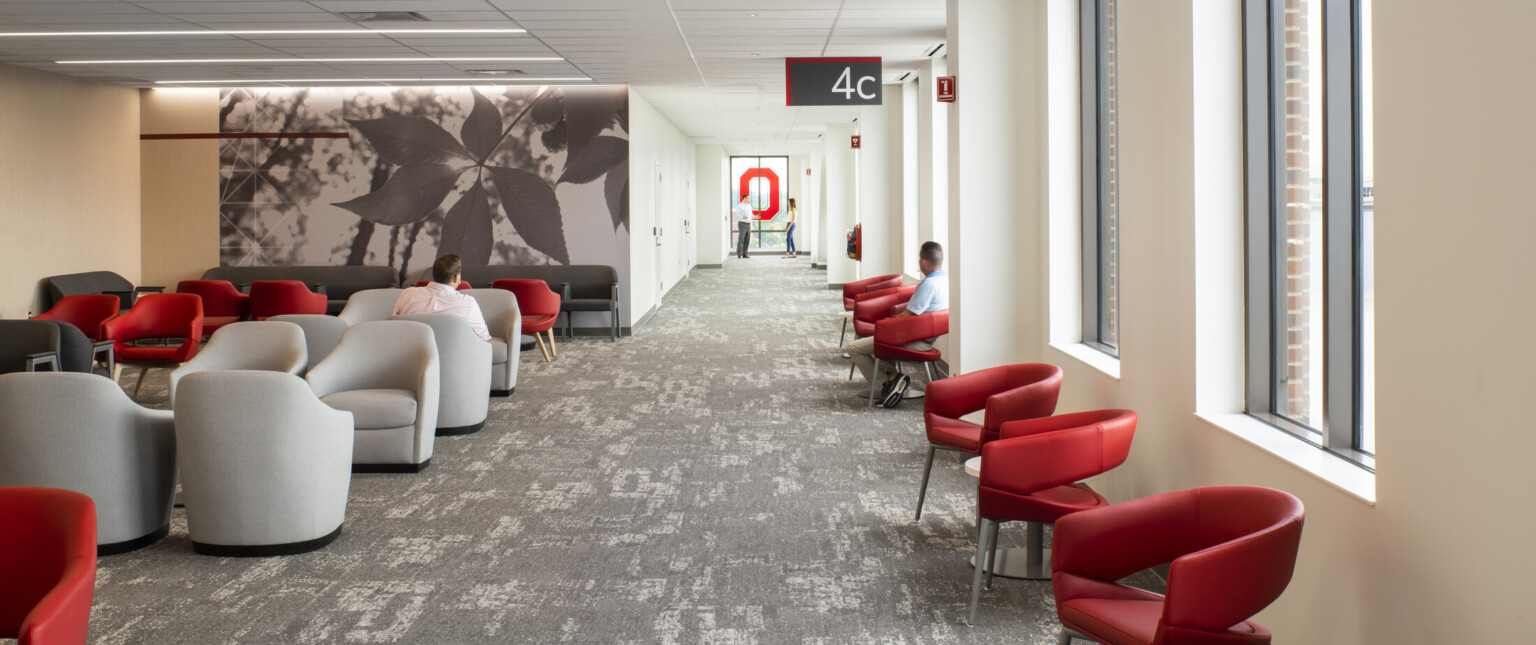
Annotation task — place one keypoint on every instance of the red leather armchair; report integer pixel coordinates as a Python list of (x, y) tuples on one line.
[(174, 316), (539, 306), (1030, 474), (1006, 393), (1232, 548), (463, 284), (222, 302), (86, 312), (867, 310), (48, 563), (892, 333), (282, 297), (853, 289)]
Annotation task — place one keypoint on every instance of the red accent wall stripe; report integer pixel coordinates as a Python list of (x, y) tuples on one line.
[(244, 135)]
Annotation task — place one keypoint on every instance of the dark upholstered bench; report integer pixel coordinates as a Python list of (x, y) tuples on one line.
[(76, 284), (582, 287), (340, 282)]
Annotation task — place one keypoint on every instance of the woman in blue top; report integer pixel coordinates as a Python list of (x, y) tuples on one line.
[(789, 234)]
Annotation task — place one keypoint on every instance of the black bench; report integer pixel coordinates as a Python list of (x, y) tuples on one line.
[(91, 282), (337, 282)]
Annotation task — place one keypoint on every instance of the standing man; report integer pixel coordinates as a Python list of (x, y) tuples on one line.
[(743, 216), (932, 294)]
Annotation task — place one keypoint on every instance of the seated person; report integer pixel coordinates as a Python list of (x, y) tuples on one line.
[(442, 297), (932, 294)]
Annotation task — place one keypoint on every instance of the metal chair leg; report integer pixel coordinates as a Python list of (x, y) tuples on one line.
[(922, 491), (143, 372), (992, 558), (928, 368), (851, 368), (844, 336), (1065, 638), (874, 380), (983, 551)]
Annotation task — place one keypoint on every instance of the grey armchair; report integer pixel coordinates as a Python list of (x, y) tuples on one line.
[(370, 305), (465, 383), (386, 374), (321, 333), (81, 432), (268, 345), (265, 466), (506, 326)]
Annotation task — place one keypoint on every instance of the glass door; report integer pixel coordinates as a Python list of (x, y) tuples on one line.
[(766, 182)]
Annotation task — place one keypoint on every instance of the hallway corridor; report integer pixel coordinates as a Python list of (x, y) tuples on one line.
[(714, 479)]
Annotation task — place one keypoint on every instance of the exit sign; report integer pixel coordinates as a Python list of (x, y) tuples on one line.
[(946, 89), (832, 81)]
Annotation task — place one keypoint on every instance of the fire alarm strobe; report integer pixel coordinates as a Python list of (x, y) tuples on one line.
[(855, 142)]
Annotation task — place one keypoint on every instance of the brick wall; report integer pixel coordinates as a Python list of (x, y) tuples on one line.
[(1109, 332), (1298, 212)]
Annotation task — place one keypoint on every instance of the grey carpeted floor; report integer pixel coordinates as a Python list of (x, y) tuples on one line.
[(714, 479)]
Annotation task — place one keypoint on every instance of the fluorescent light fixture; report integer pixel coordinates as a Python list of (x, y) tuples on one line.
[(417, 59), (257, 32), (499, 80)]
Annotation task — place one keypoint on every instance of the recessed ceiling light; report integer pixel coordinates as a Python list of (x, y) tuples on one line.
[(247, 81), (757, 54), (236, 61), (258, 32), (751, 15)]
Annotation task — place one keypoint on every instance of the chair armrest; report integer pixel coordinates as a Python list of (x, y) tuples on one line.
[(900, 331), (1027, 427), (1030, 401), (66, 609), (1025, 465), (40, 359), (962, 394), (614, 298)]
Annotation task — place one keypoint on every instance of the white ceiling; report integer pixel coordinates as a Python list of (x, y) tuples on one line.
[(693, 59)]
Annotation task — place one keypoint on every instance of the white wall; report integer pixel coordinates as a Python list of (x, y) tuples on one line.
[(910, 241), (1441, 555), (880, 185), (661, 212), (932, 154), (712, 205), (840, 202)]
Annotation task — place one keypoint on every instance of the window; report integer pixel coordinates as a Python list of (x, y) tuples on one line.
[(1101, 177), (1309, 213), (766, 180)]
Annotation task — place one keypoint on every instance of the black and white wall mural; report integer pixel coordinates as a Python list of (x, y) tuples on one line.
[(519, 175)]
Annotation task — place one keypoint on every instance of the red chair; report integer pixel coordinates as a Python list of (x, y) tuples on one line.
[(282, 297), (539, 307), (48, 563), (853, 289), (1006, 393), (85, 312), (463, 284), (1029, 475), (1233, 550), (892, 333), (170, 316), (222, 302), (871, 307)]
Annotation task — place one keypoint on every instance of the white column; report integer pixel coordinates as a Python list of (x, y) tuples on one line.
[(879, 198), (932, 155), (710, 184), (840, 213), (906, 171), (997, 182)]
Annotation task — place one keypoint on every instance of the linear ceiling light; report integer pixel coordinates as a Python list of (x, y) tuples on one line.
[(258, 32), (499, 80), (417, 59)]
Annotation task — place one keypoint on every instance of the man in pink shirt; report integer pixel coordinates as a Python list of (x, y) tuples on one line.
[(442, 297)]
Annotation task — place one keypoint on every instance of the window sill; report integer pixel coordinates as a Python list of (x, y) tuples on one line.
[(1358, 482), (1093, 357)]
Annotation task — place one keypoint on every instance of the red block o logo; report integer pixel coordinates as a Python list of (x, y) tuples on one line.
[(773, 191)]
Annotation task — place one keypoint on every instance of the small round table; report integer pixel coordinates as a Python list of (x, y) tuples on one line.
[(1014, 563)]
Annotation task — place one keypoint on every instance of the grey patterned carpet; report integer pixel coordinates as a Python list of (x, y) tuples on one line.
[(714, 479)]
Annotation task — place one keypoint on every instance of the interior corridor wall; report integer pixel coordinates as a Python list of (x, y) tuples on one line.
[(841, 202), (932, 154), (69, 182), (712, 205), (180, 185), (880, 184), (1436, 557), (663, 237)]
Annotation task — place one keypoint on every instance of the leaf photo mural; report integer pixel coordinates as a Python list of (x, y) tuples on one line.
[(519, 175)]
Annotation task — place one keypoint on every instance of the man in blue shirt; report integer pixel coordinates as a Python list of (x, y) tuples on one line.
[(932, 294)]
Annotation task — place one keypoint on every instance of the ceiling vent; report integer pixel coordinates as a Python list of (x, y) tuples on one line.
[(384, 16)]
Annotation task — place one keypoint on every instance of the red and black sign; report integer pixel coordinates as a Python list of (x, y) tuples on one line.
[(946, 89), (832, 81)]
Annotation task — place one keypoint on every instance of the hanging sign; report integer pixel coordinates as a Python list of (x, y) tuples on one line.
[(946, 89), (832, 81)]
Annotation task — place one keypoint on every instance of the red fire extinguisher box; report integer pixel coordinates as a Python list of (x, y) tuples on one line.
[(855, 249)]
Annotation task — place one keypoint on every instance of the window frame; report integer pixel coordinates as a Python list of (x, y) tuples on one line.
[(1265, 224), (1094, 64)]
